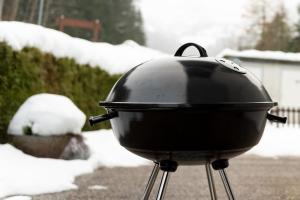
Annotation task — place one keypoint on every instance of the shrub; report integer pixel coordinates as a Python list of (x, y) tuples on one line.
[(29, 71)]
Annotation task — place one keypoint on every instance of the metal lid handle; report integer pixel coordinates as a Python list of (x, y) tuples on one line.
[(181, 49)]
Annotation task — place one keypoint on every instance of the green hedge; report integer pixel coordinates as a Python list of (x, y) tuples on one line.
[(29, 71)]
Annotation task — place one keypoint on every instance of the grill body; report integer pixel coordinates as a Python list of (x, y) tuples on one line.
[(189, 136), (188, 109)]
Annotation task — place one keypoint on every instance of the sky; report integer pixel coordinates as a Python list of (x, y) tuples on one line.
[(211, 23)]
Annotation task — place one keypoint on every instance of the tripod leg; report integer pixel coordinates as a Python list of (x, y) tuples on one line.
[(163, 185), (226, 184), (211, 183), (151, 182)]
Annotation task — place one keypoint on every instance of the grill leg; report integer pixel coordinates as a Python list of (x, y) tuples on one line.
[(151, 182), (163, 185), (220, 165), (226, 184), (211, 183), (167, 166)]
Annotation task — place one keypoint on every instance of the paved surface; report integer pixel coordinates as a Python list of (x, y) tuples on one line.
[(252, 178)]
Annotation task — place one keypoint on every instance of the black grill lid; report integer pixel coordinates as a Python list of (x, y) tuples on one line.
[(175, 82)]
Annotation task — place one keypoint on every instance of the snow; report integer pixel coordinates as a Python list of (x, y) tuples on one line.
[(28, 175), (104, 145), (47, 114), (18, 198), (266, 55), (113, 58), (97, 187), (276, 142), (22, 174)]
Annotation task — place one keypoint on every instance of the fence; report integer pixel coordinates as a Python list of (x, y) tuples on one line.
[(94, 26), (292, 114)]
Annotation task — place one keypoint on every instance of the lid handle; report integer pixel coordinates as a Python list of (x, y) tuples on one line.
[(181, 49)]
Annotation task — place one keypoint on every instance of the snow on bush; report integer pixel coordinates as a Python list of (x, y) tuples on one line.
[(112, 58), (47, 114)]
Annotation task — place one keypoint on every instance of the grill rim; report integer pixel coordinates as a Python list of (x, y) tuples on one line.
[(171, 106)]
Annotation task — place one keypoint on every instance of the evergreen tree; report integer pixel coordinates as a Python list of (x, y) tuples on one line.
[(120, 19), (255, 19), (295, 43), (276, 34)]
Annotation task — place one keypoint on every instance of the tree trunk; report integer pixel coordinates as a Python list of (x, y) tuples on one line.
[(14, 11), (32, 11), (1, 6), (10, 10), (46, 13)]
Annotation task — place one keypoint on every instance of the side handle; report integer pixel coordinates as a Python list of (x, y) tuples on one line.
[(274, 118), (100, 118)]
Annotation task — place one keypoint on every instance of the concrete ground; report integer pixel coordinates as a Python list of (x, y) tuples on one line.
[(252, 178)]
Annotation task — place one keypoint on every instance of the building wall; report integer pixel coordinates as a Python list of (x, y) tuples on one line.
[(281, 79), (290, 86)]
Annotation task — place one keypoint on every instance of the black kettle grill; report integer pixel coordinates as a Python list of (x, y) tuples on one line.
[(188, 110)]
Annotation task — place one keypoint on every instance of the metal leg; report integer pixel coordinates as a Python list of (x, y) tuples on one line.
[(163, 185), (226, 184), (151, 182), (211, 183)]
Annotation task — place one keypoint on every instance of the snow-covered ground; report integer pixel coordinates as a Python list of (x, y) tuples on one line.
[(276, 142), (47, 114), (113, 58), (22, 174), (21, 197)]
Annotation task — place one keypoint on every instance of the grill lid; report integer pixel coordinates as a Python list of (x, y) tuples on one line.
[(178, 81)]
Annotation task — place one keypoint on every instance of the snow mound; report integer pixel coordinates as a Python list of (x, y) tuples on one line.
[(264, 55), (47, 114), (112, 58)]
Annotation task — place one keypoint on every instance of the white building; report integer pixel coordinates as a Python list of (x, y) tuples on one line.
[(278, 71)]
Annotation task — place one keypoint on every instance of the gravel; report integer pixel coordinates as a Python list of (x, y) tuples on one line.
[(251, 177)]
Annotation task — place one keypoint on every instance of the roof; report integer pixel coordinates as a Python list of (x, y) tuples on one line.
[(261, 55)]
